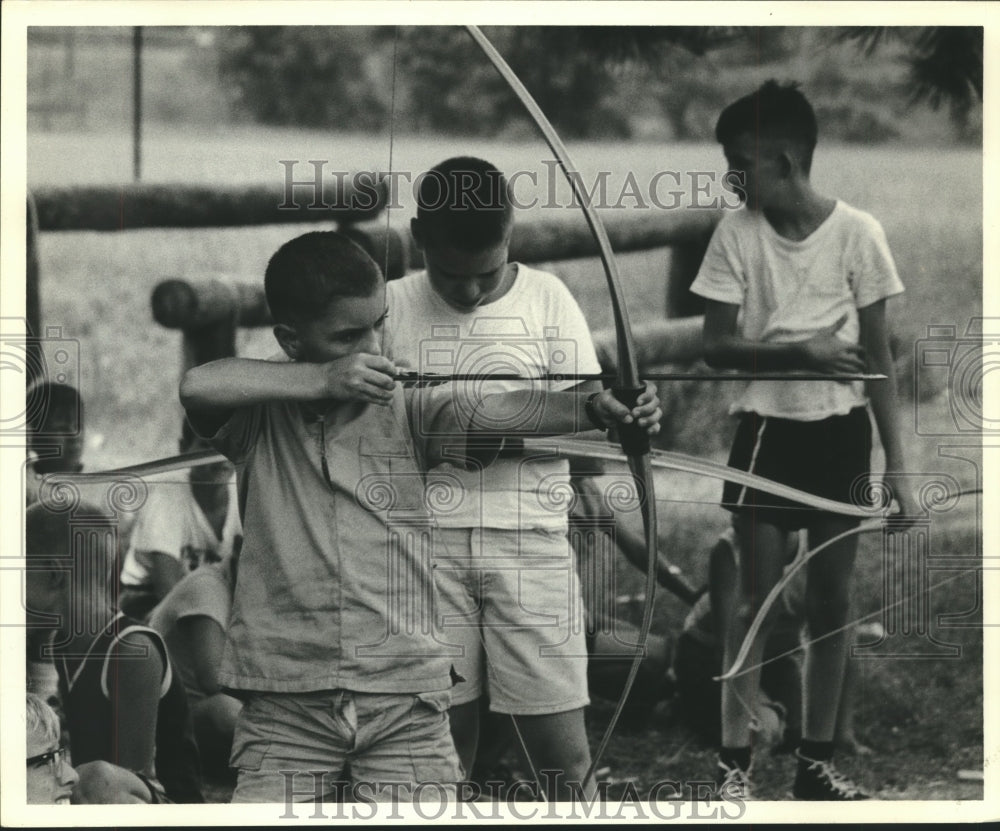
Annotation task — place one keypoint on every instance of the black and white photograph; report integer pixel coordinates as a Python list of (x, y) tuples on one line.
[(440, 412)]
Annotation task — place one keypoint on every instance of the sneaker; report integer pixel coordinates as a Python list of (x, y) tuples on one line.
[(819, 780), (732, 783)]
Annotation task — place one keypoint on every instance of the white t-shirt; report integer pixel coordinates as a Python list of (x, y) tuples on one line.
[(535, 328), (789, 290), (172, 523), (205, 592)]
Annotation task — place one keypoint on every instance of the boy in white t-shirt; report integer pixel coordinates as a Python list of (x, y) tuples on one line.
[(797, 281), (509, 591), (180, 527)]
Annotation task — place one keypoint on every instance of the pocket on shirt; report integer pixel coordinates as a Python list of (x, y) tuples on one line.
[(383, 454), (389, 477)]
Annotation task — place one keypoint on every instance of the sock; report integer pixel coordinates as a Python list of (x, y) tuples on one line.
[(818, 751), (735, 757)]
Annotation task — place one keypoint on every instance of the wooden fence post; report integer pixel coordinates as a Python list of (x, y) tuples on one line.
[(32, 298), (208, 313)]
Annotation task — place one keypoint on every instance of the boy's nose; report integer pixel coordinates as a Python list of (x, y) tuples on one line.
[(69, 775)]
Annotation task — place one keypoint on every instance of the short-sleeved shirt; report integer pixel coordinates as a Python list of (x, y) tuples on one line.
[(172, 522), (790, 290), (205, 592), (89, 691), (535, 328), (334, 588)]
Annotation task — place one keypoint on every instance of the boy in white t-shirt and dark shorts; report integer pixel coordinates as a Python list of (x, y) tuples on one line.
[(509, 592), (797, 281)]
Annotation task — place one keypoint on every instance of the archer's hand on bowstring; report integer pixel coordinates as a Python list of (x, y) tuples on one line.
[(360, 377)]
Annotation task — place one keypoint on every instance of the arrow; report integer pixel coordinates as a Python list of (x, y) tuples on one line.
[(443, 377)]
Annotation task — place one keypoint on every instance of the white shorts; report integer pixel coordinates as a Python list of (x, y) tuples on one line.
[(511, 600)]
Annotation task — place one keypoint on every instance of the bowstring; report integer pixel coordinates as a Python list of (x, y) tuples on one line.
[(392, 147)]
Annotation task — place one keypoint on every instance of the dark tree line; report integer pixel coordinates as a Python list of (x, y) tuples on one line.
[(593, 82)]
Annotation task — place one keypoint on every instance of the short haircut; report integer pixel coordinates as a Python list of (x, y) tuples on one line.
[(307, 273), (48, 402), (53, 541), (776, 111), (42, 721), (465, 202)]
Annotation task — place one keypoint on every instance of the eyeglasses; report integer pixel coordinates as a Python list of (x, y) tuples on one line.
[(54, 758)]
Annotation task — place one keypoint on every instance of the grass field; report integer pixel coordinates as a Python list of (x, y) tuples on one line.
[(923, 716)]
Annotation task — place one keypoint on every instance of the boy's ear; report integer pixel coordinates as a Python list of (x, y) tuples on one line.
[(288, 339), (786, 163), (417, 232), (57, 579)]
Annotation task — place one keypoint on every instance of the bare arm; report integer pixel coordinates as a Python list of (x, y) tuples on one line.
[(164, 571), (134, 684), (884, 399), (102, 783), (562, 412), (203, 639), (725, 348), (210, 392), (507, 416)]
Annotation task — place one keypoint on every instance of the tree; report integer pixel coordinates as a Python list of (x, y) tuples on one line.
[(945, 63), (304, 75), (451, 87)]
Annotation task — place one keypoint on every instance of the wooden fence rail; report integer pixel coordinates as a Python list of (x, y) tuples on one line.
[(208, 311), (127, 207)]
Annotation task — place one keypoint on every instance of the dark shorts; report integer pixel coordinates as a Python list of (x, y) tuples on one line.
[(829, 458)]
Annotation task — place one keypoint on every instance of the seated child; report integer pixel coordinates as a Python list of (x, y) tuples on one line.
[(330, 642), (178, 529), (122, 702), (52, 780), (778, 709), (55, 443), (56, 440), (597, 536), (698, 658), (192, 619), (55, 433)]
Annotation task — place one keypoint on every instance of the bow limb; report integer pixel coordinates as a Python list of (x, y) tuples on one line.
[(168, 464), (864, 528), (772, 597), (628, 373), (581, 448)]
